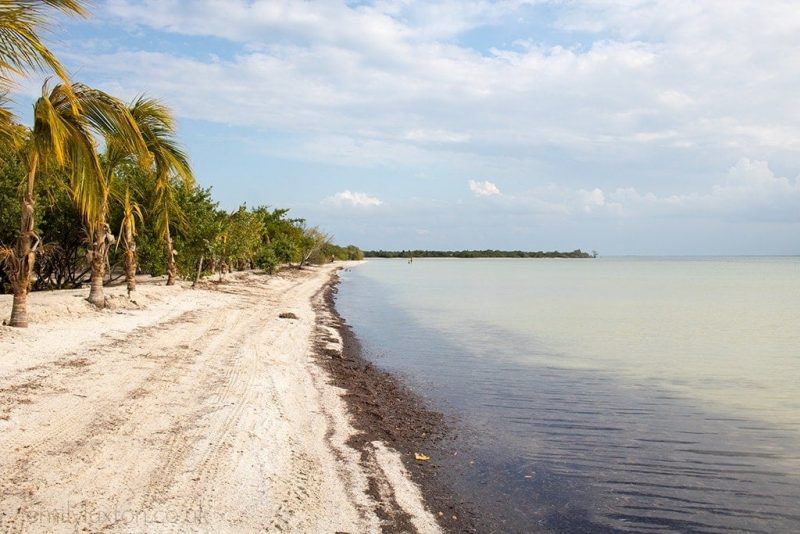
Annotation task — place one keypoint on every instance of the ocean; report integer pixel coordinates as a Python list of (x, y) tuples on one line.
[(601, 395)]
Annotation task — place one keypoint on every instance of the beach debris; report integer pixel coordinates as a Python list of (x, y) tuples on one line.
[(421, 457), (288, 315)]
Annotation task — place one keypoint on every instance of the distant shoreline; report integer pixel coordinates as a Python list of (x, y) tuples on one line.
[(578, 253)]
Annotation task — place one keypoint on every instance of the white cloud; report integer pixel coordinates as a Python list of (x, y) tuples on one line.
[(592, 199), (749, 209), (437, 136), (353, 199), (377, 24), (750, 191), (634, 113), (483, 189), (393, 69)]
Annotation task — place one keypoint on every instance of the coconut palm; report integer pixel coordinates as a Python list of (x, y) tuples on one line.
[(111, 119), (60, 137), (167, 161), (170, 168), (168, 214), (131, 212), (21, 49), (63, 136)]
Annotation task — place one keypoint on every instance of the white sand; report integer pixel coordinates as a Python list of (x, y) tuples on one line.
[(193, 410)]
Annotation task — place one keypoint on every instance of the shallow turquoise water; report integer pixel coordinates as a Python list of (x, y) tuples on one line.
[(610, 394)]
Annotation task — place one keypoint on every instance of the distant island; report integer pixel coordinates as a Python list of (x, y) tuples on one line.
[(476, 254)]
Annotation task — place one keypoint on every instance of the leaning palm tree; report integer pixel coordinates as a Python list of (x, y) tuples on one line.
[(170, 167), (66, 120), (92, 191), (60, 137), (21, 48), (166, 160)]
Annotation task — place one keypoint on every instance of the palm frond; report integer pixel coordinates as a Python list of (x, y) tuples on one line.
[(167, 211), (64, 136), (21, 48), (112, 119), (6, 120), (168, 165), (131, 212), (159, 132), (70, 7), (100, 113), (5, 253)]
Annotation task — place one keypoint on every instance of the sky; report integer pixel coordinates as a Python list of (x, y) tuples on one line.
[(653, 127)]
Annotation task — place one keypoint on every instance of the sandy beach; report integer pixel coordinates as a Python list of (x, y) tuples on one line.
[(189, 410)]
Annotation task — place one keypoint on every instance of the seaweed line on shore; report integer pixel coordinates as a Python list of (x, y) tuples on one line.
[(385, 411)]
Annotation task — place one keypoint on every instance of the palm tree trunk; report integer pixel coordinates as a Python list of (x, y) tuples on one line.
[(19, 309), (130, 258), (172, 269), (21, 264), (199, 271), (98, 264), (96, 295)]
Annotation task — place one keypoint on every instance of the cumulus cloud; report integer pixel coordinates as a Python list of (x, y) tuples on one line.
[(750, 191), (592, 199), (394, 72), (352, 199), (344, 23), (483, 189)]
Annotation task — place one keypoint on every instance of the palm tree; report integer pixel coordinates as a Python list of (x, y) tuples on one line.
[(21, 49), (170, 167), (130, 213), (113, 120), (59, 137), (168, 213), (65, 121), (167, 160)]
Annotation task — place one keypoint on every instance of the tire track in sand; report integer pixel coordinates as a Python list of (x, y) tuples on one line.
[(83, 421)]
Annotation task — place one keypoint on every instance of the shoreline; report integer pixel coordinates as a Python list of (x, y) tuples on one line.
[(384, 409), (192, 409)]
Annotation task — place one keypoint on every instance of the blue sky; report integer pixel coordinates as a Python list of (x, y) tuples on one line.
[(629, 127)]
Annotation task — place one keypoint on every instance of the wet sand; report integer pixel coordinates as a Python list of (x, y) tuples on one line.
[(385, 410)]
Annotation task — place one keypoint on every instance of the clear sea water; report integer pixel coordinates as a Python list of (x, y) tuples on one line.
[(614, 394)]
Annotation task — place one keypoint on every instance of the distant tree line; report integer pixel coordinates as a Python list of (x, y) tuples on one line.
[(578, 253)]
